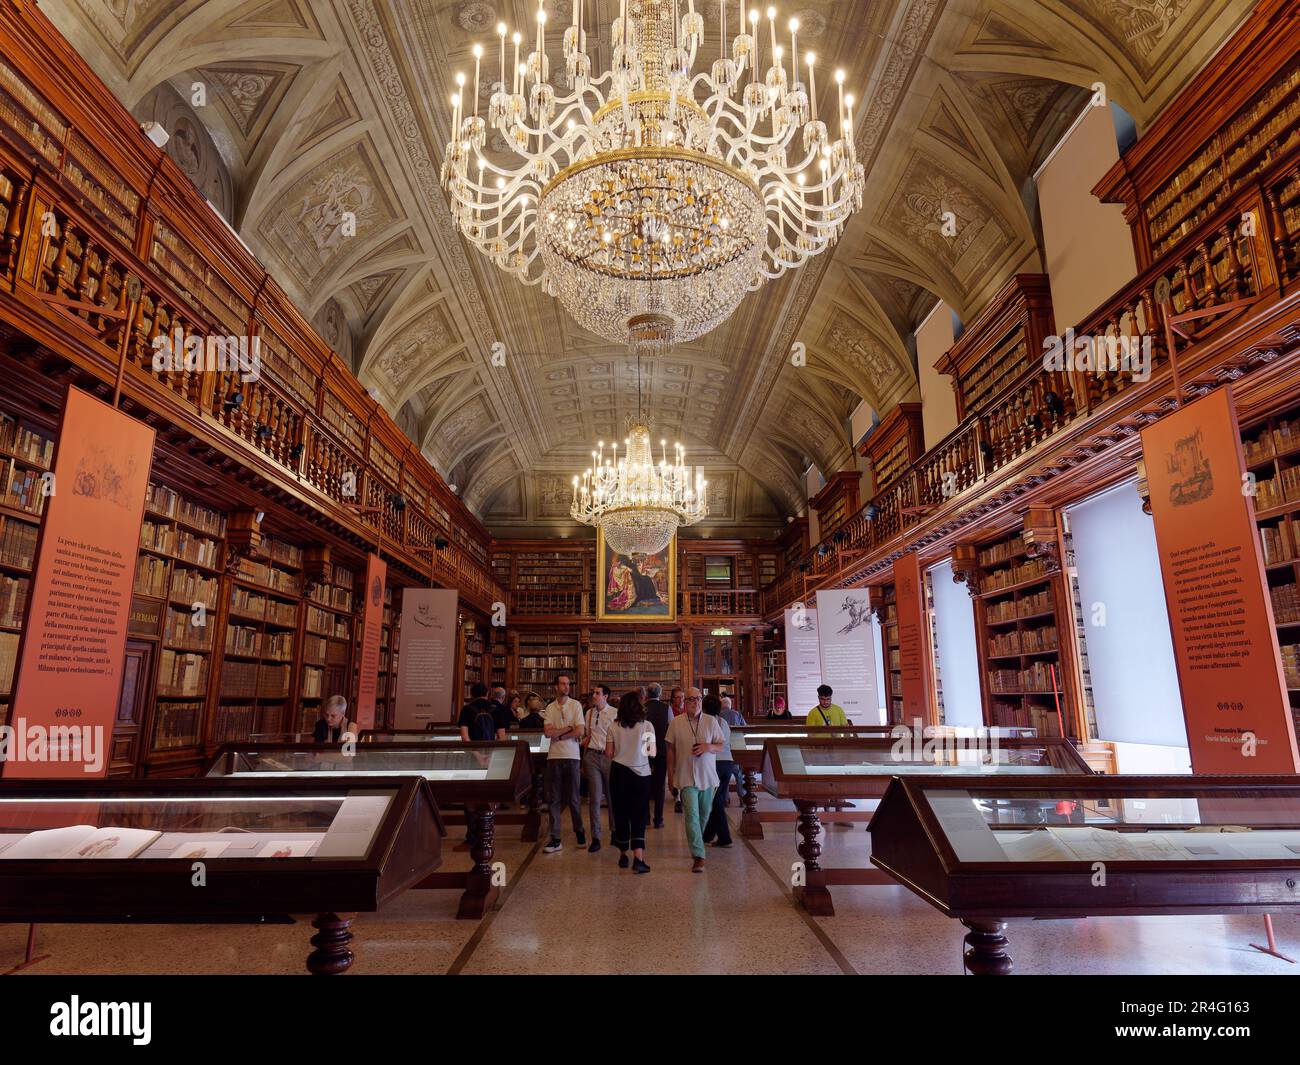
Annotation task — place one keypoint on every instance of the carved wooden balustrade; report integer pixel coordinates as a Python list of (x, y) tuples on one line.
[(111, 258), (1244, 253)]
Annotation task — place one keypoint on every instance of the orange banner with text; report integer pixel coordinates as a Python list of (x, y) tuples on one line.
[(70, 671), (372, 617), (912, 643), (1229, 668)]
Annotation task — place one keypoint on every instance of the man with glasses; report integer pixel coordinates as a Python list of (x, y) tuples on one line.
[(694, 740)]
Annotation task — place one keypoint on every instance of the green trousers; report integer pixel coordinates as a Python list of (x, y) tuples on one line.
[(696, 804)]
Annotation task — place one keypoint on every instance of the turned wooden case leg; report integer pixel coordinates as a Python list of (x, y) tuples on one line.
[(750, 826), (331, 956), (812, 896), (987, 954), (533, 819), (480, 893)]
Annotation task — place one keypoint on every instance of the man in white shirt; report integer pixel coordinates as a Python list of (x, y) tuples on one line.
[(694, 740), (562, 725), (595, 762)]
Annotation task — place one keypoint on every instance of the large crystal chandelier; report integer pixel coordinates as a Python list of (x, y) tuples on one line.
[(650, 199), (637, 504)]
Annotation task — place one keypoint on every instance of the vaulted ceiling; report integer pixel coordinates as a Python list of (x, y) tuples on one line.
[(289, 113)]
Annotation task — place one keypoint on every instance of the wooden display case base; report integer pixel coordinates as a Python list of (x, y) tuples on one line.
[(479, 893), (331, 956), (986, 953)]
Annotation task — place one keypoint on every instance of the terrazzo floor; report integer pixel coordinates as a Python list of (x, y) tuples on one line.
[(575, 912)]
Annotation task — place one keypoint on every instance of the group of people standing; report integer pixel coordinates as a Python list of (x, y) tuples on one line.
[(628, 753)]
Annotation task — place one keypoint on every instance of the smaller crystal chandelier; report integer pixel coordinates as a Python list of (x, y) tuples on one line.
[(637, 504)]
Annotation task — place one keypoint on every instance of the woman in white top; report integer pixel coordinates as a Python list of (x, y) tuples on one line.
[(630, 746)]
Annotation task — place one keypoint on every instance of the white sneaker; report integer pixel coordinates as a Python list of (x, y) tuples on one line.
[(552, 847)]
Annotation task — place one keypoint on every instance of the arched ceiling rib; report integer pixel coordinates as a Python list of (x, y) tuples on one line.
[(319, 112)]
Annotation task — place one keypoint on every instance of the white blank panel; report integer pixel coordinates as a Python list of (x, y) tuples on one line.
[(959, 669), (1130, 653)]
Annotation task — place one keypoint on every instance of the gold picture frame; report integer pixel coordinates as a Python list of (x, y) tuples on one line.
[(610, 597)]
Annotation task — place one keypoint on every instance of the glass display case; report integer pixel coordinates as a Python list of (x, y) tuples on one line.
[(478, 777), (538, 748), (816, 772), (983, 851), (260, 849)]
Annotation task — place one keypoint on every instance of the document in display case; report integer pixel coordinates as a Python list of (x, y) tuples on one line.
[(818, 772), (115, 851), (476, 776), (984, 851)]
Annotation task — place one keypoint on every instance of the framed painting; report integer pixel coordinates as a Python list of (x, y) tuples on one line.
[(635, 587)]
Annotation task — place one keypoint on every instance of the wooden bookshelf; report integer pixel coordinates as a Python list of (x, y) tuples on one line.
[(1019, 618), (1264, 128), (630, 659), (553, 582), (328, 633), (541, 656), (893, 445), (1272, 452), (887, 613), (474, 659)]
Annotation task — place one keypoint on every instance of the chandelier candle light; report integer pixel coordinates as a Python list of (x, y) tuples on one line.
[(651, 199), (637, 504)]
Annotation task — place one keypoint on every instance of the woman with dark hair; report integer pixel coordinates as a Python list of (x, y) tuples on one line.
[(630, 746), (718, 828)]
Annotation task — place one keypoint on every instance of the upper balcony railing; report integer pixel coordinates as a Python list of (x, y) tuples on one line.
[(109, 254), (1248, 249)]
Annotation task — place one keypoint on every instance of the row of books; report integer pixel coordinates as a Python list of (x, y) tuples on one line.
[(197, 549), (24, 490), (191, 586), (1291, 664), (282, 553), (1273, 492), (328, 595), (234, 722), (1028, 571), (8, 661), (1286, 603), (176, 725), (270, 577), (536, 662), (25, 443), (326, 623), (1031, 641), (254, 681), (313, 648), (1276, 544), (180, 630), (1002, 551), (313, 683), (245, 640), (167, 503), (182, 674), (1011, 609), (1037, 677), (18, 543), (13, 599), (1026, 716), (151, 576)]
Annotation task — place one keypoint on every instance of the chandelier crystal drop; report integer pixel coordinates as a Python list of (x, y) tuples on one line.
[(637, 504), (652, 198)]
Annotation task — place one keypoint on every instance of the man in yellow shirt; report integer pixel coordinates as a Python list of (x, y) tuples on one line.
[(826, 712)]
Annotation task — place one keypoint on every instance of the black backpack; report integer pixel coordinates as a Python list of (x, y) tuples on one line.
[(483, 725)]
